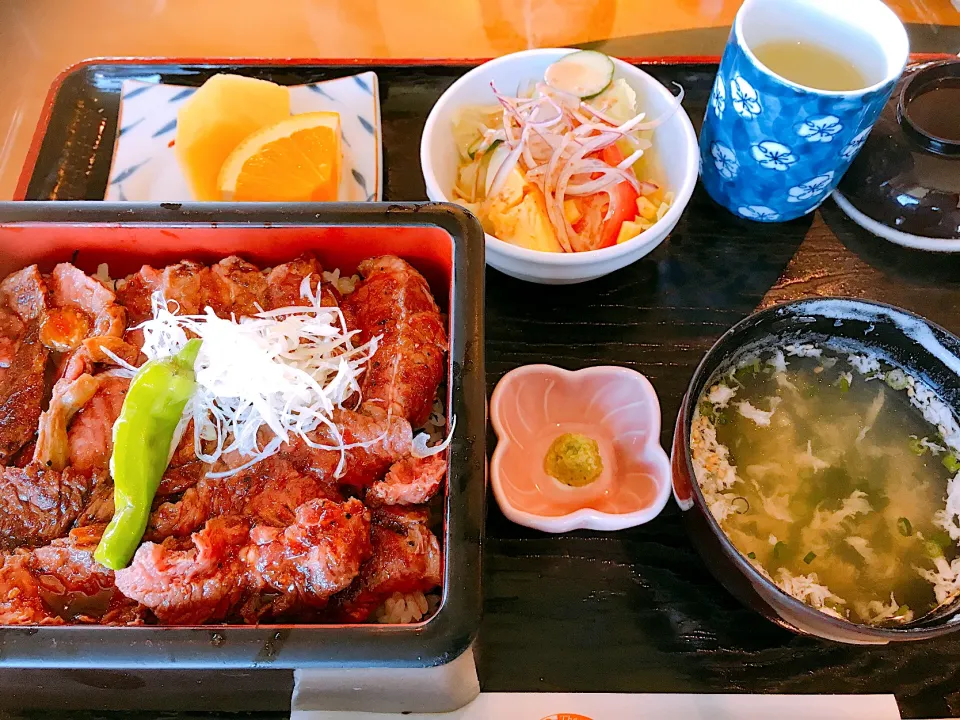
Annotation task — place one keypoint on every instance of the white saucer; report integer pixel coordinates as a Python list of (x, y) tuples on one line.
[(917, 242)]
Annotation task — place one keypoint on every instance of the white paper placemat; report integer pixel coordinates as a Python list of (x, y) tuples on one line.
[(591, 706)]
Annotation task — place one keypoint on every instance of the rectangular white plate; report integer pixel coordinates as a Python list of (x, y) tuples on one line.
[(145, 169)]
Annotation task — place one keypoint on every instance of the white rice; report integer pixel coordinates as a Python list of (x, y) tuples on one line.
[(103, 275), (402, 608), (345, 285), (436, 425)]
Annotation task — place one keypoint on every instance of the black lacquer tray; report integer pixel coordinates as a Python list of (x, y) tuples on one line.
[(633, 611)]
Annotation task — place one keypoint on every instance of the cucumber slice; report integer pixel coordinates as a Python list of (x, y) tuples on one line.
[(585, 73), (484, 171), (475, 146), (493, 164)]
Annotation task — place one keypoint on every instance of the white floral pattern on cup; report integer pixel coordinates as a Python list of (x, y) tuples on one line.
[(758, 212), (746, 100), (853, 147), (719, 96), (820, 128), (811, 188), (725, 160), (781, 141), (773, 155)]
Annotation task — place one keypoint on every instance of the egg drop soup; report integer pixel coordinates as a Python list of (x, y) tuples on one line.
[(835, 474)]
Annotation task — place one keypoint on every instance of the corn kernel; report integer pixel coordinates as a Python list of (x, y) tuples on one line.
[(629, 230), (647, 210)]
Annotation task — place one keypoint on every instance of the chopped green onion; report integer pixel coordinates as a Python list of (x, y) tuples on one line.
[(844, 383), (752, 368), (896, 379), (932, 549), (951, 463), (779, 549), (904, 526), (902, 611), (834, 605), (752, 555), (708, 411), (809, 557), (916, 445), (941, 538)]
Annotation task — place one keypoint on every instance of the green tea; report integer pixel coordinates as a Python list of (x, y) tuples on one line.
[(816, 66)]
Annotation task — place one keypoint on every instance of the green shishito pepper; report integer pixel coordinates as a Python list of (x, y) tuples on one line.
[(141, 449)]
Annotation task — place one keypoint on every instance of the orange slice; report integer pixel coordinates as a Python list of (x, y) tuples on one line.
[(294, 160), (225, 110)]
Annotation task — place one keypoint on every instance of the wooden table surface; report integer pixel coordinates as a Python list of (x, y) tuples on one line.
[(39, 38), (634, 611)]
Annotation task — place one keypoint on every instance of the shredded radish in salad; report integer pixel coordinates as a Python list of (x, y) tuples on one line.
[(556, 139)]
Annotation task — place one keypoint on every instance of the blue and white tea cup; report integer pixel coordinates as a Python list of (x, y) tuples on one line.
[(772, 150)]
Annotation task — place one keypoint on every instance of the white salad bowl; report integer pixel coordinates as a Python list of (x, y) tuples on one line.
[(675, 143)]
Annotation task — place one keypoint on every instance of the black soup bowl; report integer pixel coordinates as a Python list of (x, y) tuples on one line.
[(925, 350)]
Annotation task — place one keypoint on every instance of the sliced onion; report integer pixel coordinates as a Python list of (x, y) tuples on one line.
[(598, 114), (536, 171), (554, 204), (608, 179), (675, 105), (629, 162), (554, 137), (607, 215), (569, 99), (527, 155)]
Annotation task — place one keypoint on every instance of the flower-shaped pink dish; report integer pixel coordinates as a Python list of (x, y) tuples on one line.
[(617, 407)]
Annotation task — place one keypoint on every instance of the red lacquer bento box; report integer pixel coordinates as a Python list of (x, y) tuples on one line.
[(441, 241)]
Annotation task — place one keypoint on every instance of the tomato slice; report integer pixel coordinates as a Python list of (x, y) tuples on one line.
[(623, 200)]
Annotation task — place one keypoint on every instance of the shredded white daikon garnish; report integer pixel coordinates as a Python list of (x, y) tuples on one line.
[(285, 370), (420, 449)]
